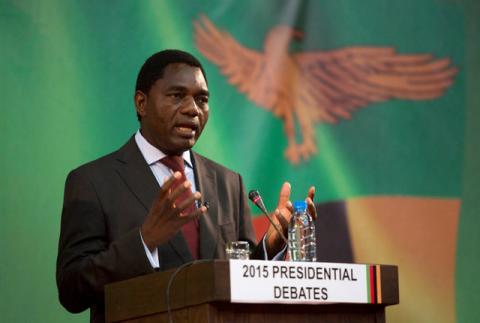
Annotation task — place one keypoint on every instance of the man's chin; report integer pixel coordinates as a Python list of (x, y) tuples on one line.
[(183, 145)]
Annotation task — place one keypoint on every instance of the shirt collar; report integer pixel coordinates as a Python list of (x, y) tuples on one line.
[(152, 154)]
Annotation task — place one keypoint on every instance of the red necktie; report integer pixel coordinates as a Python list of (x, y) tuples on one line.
[(190, 229)]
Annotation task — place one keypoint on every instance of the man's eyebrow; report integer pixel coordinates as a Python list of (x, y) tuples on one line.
[(204, 92), (176, 88), (184, 88)]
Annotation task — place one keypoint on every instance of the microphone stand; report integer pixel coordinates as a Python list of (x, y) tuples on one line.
[(255, 197)]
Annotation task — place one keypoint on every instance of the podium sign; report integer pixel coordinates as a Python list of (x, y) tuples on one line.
[(256, 281)]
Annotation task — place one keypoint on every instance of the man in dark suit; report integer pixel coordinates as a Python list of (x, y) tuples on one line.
[(140, 209)]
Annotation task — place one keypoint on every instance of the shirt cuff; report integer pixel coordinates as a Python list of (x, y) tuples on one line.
[(279, 256), (151, 255)]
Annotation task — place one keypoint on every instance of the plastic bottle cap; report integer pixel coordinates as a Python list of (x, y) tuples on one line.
[(299, 205)]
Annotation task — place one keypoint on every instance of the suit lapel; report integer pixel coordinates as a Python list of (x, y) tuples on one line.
[(136, 174), (138, 177), (206, 183)]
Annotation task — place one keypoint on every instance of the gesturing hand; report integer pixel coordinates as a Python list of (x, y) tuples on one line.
[(165, 217), (282, 216)]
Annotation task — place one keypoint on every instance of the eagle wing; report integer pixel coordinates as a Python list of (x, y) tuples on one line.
[(243, 67), (340, 81)]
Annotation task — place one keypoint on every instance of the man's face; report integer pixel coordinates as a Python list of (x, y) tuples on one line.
[(175, 109)]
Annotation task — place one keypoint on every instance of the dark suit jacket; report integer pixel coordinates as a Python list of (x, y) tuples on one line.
[(105, 204)]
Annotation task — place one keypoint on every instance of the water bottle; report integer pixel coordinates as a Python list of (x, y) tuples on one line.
[(301, 234)]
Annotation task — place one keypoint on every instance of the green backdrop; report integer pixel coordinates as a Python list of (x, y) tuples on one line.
[(67, 74)]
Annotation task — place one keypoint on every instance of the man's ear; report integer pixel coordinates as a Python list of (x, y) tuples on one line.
[(140, 100)]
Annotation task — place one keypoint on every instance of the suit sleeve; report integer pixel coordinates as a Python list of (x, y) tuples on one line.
[(87, 259)]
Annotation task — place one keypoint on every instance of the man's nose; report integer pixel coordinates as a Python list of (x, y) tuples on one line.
[(191, 107)]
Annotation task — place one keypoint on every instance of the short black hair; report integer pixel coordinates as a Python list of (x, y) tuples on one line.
[(154, 66)]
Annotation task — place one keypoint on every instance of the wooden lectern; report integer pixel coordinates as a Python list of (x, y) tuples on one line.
[(201, 293)]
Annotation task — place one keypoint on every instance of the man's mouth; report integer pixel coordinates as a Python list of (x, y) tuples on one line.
[(186, 130)]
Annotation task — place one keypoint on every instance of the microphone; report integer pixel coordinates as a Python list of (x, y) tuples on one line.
[(255, 197), (206, 204)]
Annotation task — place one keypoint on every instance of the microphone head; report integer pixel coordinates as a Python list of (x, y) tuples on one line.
[(253, 195)]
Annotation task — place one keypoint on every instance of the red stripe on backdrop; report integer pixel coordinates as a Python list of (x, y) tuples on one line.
[(372, 284), (260, 225)]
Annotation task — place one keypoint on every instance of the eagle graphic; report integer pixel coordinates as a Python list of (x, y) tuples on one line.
[(308, 87)]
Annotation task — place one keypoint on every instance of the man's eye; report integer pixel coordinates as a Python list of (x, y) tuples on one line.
[(176, 95), (202, 99)]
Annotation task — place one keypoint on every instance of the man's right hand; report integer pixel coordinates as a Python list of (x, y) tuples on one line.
[(165, 217)]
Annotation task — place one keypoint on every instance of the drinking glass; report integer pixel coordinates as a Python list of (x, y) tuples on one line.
[(238, 250)]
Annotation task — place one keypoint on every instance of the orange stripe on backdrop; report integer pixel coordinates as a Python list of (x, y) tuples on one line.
[(379, 284), (418, 235)]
